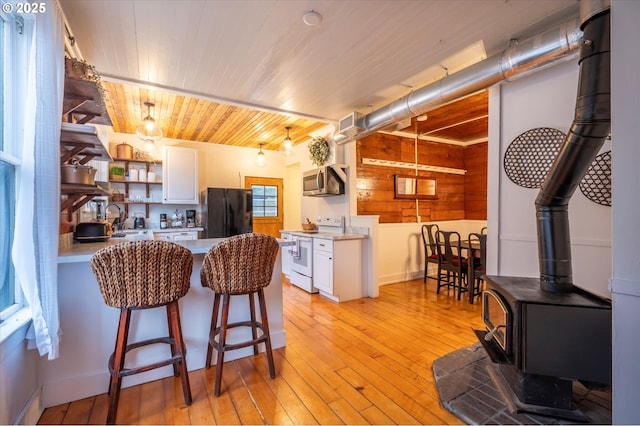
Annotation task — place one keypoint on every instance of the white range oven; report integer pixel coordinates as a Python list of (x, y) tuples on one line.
[(301, 254), (301, 263)]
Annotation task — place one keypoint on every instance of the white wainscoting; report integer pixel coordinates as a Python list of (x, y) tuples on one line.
[(401, 253)]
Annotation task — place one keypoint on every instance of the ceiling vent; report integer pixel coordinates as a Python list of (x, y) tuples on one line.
[(348, 126)]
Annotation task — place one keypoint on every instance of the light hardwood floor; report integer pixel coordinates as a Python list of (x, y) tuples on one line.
[(366, 361)]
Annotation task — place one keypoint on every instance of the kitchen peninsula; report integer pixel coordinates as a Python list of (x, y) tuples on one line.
[(89, 325)]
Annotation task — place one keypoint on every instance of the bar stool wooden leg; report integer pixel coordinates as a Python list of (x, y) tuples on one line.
[(176, 371), (265, 324), (222, 339), (117, 365), (254, 328), (212, 329), (173, 311)]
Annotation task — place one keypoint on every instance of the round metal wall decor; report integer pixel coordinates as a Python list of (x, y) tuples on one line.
[(596, 183), (531, 154)]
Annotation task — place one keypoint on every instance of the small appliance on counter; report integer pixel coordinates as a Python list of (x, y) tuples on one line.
[(163, 221), (91, 232), (177, 220), (138, 222), (191, 218)]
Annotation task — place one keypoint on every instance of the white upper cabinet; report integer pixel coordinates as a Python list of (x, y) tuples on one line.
[(179, 175)]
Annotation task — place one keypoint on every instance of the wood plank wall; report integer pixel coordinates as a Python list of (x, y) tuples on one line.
[(475, 182), (459, 196)]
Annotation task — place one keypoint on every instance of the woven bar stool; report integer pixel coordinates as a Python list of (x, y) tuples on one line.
[(240, 265), (143, 275)]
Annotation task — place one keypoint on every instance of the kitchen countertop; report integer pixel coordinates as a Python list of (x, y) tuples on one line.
[(326, 235), (82, 252), (182, 229)]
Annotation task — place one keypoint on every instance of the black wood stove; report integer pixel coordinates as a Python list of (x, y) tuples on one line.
[(542, 334), (541, 341)]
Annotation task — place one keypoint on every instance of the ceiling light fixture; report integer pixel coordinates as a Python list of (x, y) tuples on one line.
[(260, 158), (287, 143), (422, 117), (148, 130)]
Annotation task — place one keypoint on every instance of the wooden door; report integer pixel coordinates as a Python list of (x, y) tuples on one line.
[(267, 204)]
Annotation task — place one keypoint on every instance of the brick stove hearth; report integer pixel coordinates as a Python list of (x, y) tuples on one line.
[(464, 383)]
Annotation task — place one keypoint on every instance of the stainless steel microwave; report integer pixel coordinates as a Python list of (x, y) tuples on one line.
[(324, 181)]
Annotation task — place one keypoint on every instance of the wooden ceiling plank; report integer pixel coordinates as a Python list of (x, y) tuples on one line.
[(207, 134), (189, 118)]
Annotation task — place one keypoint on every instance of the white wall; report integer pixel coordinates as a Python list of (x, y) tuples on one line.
[(292, 197), (219, 165), (544, 99), (401, 251), (313, 207), (625, 283), (19, 384)]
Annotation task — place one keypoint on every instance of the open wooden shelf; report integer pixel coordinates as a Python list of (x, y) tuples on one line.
[(136, 182), (133, 160), (78, 196), (83, 102), (127, 183), (82, 142)]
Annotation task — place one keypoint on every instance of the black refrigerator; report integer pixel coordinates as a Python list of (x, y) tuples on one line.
[(227, 212)]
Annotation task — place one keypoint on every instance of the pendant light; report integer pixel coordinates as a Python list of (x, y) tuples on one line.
[(148, 130), (261, 161), (287, 144)]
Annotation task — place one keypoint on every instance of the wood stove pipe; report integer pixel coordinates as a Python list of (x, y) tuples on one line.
[(590, 128)]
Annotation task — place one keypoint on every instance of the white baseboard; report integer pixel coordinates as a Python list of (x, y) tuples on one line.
[(32, 410), (400, 277)]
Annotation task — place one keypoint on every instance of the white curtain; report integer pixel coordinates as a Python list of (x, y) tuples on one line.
[(35, 248)]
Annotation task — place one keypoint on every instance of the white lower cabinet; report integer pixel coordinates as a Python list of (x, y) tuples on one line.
[(337, 269), (323, 265), (176, 236)]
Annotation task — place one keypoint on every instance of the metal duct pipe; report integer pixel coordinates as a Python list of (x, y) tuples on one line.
[(590, 128), (520, 58)]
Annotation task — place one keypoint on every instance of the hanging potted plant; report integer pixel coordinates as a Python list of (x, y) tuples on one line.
[(319, 150), (79, 69)]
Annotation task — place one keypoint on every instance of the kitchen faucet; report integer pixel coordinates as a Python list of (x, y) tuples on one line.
[(117, 224)]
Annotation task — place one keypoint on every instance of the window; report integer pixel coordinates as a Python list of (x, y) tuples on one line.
[(265, 200), (9, 163), (7, 218)]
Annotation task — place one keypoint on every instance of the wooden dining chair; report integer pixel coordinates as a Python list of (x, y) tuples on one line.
[(477, 264), (483, 230), (452, 269), (430, 248)]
